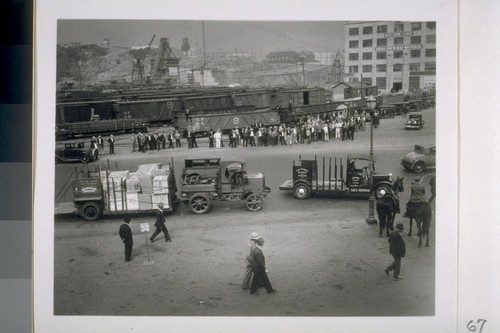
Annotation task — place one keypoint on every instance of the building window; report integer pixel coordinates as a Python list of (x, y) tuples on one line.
[(397, 67), (430, 66), (381, 55), (367, 43), (367, 30), (431, 53), (381, 83), (415, 40), (399, 27), (367, 68), (415, 53), (353, 44), (416, 26), (382, 42), (367, 56), (381, 29), (353, 69), (382, 68), (353, 56), (399, 40), (398, 54), (414, 82), (430, 39), (430, 25), (353, 31), (414, 67)]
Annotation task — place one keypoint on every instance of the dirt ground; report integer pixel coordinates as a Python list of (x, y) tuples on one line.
[(324, 260)]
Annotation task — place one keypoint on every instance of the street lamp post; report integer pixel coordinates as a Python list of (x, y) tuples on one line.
[(371, 103)]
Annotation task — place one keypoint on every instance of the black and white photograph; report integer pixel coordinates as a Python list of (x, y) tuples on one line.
[(252, 167)]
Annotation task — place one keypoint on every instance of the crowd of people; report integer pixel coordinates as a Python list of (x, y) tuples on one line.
[(324, 127), (310, 129)]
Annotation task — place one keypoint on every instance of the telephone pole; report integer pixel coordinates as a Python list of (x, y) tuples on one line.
[(303, 71)]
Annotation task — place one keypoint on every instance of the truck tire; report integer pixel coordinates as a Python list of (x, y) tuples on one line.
[(301, 191), (380, 190), (254, 202), (199, 203), (390, 115), (419, 167), (91, 211)]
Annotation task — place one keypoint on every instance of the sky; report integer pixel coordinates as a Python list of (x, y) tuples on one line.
[(220, 36)]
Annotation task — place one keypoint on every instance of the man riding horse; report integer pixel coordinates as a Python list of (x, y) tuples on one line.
[(417, 195)]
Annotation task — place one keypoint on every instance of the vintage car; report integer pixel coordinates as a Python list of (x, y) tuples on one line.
[(74, 152), (420, 159), (415, 121)]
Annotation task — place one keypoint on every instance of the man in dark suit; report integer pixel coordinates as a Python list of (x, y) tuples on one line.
[(259, 269), (397, 249), (160, 225), (126, 236), (111, 141)]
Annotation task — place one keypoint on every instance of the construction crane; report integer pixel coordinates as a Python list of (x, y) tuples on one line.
[(139, 54), (165, 58), (336, 73)]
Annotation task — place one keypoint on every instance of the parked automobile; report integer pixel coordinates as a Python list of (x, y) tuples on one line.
[(420, 159), (415, 121), (74, 152)]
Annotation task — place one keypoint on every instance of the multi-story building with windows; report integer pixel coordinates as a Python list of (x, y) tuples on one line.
[(394, 56)]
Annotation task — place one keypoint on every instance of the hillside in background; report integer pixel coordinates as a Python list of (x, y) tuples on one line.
[(99, 66)]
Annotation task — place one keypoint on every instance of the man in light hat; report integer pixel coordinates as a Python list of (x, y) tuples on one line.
[(417, 195), (247, 278), (160, 224), (126, 236), (397, 249), (111, 141), (259, 269)]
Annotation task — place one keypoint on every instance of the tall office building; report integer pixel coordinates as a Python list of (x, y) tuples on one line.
[(394, 56)]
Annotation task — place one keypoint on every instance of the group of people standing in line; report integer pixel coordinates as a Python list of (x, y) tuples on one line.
[(309, 129)]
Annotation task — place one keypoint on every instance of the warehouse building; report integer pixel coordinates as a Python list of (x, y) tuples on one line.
[(394, 56)]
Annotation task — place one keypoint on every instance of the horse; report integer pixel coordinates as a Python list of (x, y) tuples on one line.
[(422, 213), (387, 206)]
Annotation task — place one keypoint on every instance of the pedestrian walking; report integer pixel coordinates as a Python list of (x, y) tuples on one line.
[(160, 225), (259, 269), (397, 249), (247, 278), (126, 236)]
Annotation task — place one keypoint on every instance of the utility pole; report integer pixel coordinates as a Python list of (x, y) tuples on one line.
[(303, 71), (204, 54)]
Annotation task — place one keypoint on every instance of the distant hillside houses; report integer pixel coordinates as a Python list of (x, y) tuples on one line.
[(290, 56)]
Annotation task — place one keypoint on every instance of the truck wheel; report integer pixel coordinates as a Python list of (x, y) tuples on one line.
[(199, 203), (90, 211), (254, 202), (391, 115), (301, 191), (419, 167), (380, 191), (84, 158)]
